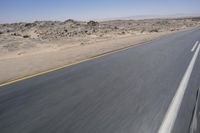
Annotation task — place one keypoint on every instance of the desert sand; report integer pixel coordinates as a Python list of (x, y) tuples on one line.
[(28, 48)]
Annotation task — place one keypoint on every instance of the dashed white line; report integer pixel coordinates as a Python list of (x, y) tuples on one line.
[(170, 117), (194, 47)]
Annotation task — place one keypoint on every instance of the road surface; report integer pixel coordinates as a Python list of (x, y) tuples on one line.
[(125, 92)]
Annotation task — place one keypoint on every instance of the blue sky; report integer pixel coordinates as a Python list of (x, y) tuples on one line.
[(31, 10)]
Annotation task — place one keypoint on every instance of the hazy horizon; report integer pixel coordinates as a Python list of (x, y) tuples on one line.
[(40, 10)]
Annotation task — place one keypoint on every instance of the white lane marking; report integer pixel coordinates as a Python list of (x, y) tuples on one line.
[(194, 47), (170, 117)]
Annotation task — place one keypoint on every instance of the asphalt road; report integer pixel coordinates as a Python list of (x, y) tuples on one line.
[(125, 92)]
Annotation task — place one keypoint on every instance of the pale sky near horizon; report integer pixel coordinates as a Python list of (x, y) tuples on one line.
[(31, 10)]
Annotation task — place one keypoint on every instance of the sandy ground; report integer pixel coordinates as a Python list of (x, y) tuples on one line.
[(29, 48), (12, 66)]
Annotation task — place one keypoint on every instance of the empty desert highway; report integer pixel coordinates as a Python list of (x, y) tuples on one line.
[(125, 92)]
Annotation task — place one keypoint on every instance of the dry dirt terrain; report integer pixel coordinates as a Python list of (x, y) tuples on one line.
[(27, 48)]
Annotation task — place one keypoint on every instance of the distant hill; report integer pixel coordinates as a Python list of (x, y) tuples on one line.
[(140, 17)]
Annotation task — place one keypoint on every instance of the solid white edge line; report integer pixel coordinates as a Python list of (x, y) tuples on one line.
[(194, 47), (172, 112)]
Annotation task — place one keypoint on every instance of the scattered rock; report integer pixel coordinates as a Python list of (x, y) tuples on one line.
[(92, 23), (82, 43), (154, 30), (116, 28), (26, 36), (123, 32), (69, 21), (143, 30), (16, 34), (28, 24), (172, 29), (20, 53), (71, 29), (101, 35)]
